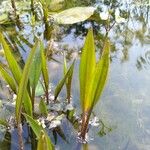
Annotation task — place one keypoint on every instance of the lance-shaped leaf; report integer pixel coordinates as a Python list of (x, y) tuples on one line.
[(62, 82), (87, 69), (13, 65), (44, 68), (101, 73), (16, 72), (92, 78), (35, 68), (23, 83), (8, 78), (68, 81), (37, 130)]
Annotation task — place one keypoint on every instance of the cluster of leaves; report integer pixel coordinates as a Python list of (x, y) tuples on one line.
[(24, 82)]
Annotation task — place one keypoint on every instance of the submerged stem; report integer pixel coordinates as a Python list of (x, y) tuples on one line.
[(85, 123), (21, 146)]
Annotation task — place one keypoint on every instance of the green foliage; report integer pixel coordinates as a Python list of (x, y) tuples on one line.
[(68, 80), (35, 70), (14, 67), (23, 84), (40, 133), (63, 80), (17, 75), (44, 69), (92, 75), (43, 108), (8, 78)]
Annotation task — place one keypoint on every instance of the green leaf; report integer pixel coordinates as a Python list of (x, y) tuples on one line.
[(39, 89), (37, 130), (44, 142), (35, 70), (68, 81), (62, 82), (92, 78), (101, 73), (13, 65), (8, 78), (34, 125), (87, 69), (43, 108), (16, 72), (44, 68), (24, 82), (73, 15)]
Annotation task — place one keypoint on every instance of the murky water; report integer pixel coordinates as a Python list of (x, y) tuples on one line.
[(125, 104)]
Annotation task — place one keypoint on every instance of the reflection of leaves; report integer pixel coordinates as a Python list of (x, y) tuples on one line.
[(60, 132), (5, 144), (104, 129)]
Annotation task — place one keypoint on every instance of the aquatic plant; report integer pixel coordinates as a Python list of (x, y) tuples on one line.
[(92, 77), (21, 81)]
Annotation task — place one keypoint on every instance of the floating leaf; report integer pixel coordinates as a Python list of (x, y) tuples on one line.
[(74, 15)]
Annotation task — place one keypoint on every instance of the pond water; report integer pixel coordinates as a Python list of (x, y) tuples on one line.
[(124, 107)]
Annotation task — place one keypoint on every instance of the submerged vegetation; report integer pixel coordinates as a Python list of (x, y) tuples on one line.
[(39, 108)]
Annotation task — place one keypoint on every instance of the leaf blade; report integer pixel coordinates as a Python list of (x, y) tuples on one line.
[(73, 15), (37, 130), (23, 83), (8, 78), (86, 70), (62, 81), (101, 72)]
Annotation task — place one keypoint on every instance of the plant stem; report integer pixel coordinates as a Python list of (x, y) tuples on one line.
[(32, 6), (85, 123), (47, 96), (21, 146), (13, 5), (32, 98)]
